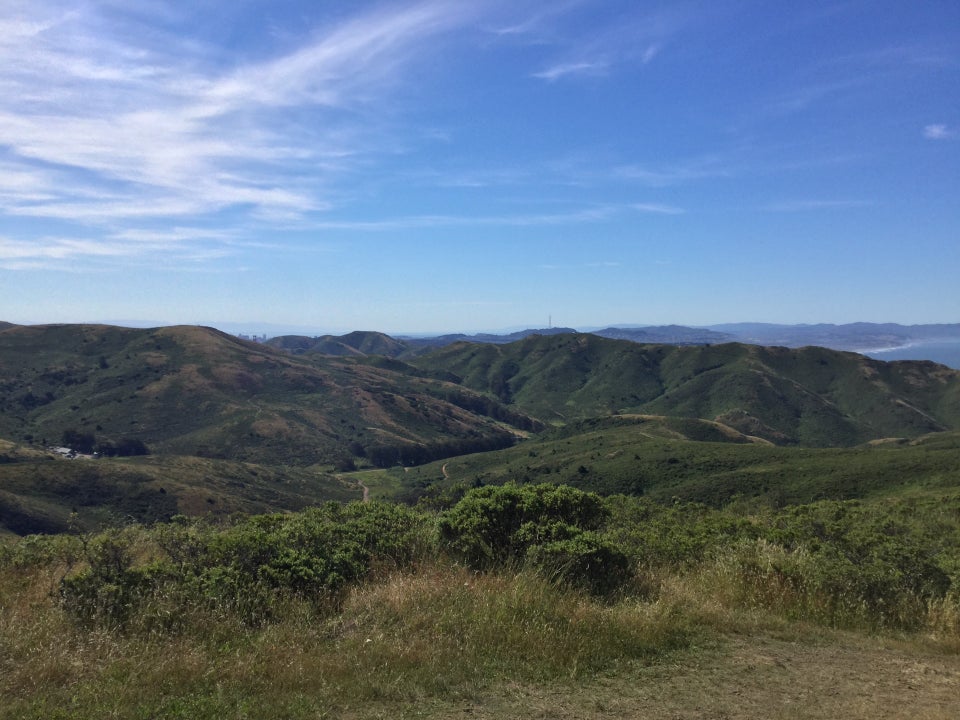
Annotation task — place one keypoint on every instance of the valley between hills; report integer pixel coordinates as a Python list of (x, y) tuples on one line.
[(560, 524), (232, 425)]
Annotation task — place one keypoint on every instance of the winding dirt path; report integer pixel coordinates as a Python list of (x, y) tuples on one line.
[(358, 483)]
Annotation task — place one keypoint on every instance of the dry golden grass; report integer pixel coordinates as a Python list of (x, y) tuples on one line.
[(442, 642)]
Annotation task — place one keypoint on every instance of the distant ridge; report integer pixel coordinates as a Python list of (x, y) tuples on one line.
[(375, 343), (863, 337), (198, 391), (364, 343), (666, 334), (189, 390), (857, 337)]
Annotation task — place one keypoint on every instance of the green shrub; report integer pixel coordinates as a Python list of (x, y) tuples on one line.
[(494, 524), (248, 569), (865, 562), (33, 551), (110, 589), (680, 535), (550, 526), (583, 560)]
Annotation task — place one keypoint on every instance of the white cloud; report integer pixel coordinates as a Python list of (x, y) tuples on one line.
[(430, 221), (673, 173), (565, 69), (584, 48), (801, 99), (100, 125), (650, 53), (180, 245), (658, 209), (938, 131)]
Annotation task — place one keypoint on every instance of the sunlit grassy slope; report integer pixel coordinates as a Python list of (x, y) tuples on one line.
[(197, 391), (56, 495), (808, 396), (667, 458)]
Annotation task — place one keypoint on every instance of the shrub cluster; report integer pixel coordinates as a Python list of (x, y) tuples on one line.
[(848, 564), (859, 564), (842, 563), (555, 528), (248, 569)]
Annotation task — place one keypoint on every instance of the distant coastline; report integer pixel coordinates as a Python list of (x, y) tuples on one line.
[(889, 348), (946, 352)]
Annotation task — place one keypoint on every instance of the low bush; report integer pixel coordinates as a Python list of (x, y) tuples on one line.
[(677, 536), (864, 564), (551, 527), (248, 569)]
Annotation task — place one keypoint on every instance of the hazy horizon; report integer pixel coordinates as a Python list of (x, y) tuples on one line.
[(275, 329)]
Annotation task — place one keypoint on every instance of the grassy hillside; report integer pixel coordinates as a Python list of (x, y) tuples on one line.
[(667, 458), (41, 493), (358, 343), (808, 396), (196, 391)]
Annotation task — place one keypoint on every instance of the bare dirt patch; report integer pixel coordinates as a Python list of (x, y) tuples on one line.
[(746, 678)]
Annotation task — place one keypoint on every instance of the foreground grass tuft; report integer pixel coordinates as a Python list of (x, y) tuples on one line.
[(439, 630)]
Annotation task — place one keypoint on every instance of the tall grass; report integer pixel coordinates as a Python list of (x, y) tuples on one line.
[(358, 606), (437, 630)]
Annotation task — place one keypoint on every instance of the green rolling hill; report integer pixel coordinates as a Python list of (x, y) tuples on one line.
[(670, 459), (807, 396), (232, 425), (197, 391), (40, 492)]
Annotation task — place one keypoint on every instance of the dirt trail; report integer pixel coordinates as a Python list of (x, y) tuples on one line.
[(359, 483), (747, 679)]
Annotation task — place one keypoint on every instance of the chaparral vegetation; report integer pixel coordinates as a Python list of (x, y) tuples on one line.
[(698, 519)]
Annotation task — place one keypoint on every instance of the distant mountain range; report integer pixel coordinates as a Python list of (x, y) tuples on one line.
[(857, 337), (809, 396)]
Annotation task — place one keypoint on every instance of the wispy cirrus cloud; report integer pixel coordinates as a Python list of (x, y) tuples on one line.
[(657, 209), (938, 131), (587, 215), (631, 38), (802, 98), (104, 124), (177, 245), (563, 70), (673, 173), (539, 25)]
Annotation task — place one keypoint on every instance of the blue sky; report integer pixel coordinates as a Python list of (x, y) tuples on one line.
[(478, 165)]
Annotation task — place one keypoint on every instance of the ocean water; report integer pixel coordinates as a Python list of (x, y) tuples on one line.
[(946, 352)]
